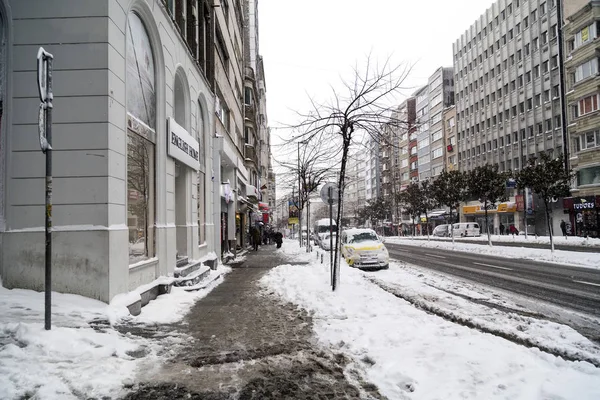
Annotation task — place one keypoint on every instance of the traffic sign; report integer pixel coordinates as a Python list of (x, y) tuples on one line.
[(330, 193)]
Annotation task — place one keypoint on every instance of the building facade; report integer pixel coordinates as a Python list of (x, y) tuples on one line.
[(441, 96), (583, 105), (508, 97), (147, 125), (507, 79)]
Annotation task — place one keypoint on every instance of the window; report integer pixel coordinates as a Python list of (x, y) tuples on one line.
[(545, 66), (222, 111), (589, 140), (587, 105), (439, 152), (585, 35), (525, 22), (538, 100), (536, 71), (554, 62), (588, 176), (248, 97), (141, 139), (586, 70), (543, 8), (404, 163)]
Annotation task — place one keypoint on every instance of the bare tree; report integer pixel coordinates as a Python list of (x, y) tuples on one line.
[(363, 105)]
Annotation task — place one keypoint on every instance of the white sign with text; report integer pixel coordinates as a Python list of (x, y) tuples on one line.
[(182, 146)]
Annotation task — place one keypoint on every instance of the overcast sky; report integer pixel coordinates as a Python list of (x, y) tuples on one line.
[(309, 45)]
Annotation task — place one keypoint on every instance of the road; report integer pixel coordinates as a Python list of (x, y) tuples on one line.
[(569, 287)]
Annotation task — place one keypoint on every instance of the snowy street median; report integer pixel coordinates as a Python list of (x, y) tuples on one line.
[(410, 353)]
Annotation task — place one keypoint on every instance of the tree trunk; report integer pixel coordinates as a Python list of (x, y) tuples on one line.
[(549, 225), (451, 226), (427, 224), (487, 223)]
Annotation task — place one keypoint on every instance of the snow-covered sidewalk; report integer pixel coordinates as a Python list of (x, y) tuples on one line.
[(410, 353), (73, 360)]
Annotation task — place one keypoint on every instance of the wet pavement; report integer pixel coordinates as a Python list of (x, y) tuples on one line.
[(242, 343)]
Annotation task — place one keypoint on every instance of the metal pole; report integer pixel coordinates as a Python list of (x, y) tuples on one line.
[(48, 284), (331, 266), (44, 81)]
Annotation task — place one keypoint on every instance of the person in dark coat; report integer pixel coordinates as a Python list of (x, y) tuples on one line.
[(278, 236), (255, 238), (563, 227), (501, 229)]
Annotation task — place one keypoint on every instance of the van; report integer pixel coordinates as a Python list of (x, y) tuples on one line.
[(464, 229)]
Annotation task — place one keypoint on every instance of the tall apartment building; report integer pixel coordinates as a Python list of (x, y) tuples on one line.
[(354, 194), (583, 103), (406, 114), (423, 149), (508, 105), (257, 145), (441, 95), (372, 170)]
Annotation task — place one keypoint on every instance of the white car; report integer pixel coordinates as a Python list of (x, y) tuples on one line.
[(364, 249), (327, 239)]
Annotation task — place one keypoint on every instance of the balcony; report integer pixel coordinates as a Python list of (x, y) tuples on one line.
[(250, 154)]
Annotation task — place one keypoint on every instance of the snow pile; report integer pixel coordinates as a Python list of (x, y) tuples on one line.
[(66, 362), (73, 360), (405, 350)]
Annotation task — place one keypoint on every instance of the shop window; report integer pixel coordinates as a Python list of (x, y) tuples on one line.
[(141, 141)]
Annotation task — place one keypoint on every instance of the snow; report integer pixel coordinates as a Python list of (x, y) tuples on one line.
[(410, 353), (574, 258), (73, 360)]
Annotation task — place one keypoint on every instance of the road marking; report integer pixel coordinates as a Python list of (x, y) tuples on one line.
[(433, 255), (493, 266), (588, 283)]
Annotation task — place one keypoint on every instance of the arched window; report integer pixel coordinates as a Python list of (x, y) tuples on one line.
[(201, 184), (141, 141)]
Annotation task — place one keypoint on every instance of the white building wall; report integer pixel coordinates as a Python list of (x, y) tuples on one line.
[(90, 242)]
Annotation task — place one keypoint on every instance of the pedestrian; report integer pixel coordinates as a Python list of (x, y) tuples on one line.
[(256, 238), (278, 238), (563, 227), (513, 230), (501, 229)]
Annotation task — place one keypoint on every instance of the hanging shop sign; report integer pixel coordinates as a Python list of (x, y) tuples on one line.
[(182, 146), (584, 203)]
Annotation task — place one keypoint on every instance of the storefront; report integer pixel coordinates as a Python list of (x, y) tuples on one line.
[(583, 216), (505, 214)]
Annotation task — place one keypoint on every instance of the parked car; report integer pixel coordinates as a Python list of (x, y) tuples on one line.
[(442, 230), (327, 239), (464, 229), (364, 249)]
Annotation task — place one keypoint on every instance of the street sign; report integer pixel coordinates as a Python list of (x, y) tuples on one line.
[(330, 193)]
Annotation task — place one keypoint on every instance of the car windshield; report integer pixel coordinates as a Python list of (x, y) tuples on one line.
[(362, 237)]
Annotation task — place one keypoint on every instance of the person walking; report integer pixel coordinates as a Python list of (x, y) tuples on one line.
[(513, 230), (563, 227), (255, 238)]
